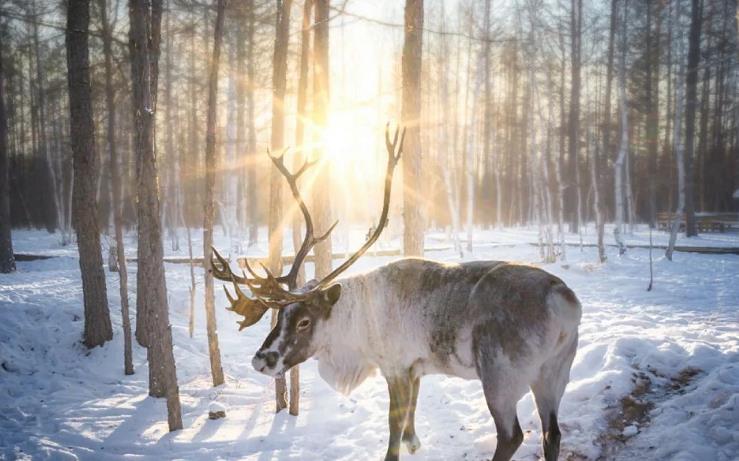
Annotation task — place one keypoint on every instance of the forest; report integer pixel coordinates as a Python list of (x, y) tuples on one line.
[(147, 147)]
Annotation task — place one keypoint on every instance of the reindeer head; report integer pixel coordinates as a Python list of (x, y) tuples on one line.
[(301, 310), (293, 339)]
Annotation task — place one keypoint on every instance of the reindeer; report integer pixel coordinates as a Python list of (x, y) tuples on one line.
[(511, 326)]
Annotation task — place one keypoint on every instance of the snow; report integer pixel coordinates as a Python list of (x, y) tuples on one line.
[(678, 343), (630, 431)]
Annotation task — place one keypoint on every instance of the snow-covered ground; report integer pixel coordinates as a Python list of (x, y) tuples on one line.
[(656, 376)]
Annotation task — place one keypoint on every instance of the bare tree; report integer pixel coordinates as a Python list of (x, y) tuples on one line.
[(172, 211), (252, 212), (691, 83), (574, 113), (592, 146), (305, 57), (151, 295), (652, 94), (677, 145), (321, 103), (216, 370), (98, 329), (57, 199), (623, 142), (279, 82), (7, 258), (413, 234), (116, 186), (447, 157)]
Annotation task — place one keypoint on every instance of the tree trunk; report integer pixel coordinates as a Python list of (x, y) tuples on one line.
[(624, 141), (559, 163), (300, 153), (216, 370), (488, 131), (666, 153), (447, 159), (607, 151), (116, 187), (194, 153), (629, 191), (98, 329), (7, 259), (691, 83), (677, 145), (597, 206), (413, 234), (252, 210), (321, 103), (238, 169), (42, 140), (652, 102), (574, 114), (279, 82), (151, 294), (172, 158), (300, 132)]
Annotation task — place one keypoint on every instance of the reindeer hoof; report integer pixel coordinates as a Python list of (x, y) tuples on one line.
[(412, 444)]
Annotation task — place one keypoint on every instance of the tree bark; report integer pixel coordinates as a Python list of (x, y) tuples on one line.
[(624, 141), (413, 235), (151, 295), (116, 188), (652, 102), (252, 210), (321, 102), (597, 205), (238, 171), (98, 329), (214, 351), (7, 258), (305, 58), (172, 211), (574, 114), (691, 83), (42, 139), (677, 145), (488, 174), (279, 82), (606, 136)]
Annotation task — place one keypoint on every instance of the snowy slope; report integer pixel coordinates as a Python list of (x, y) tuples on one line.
[(673, 352)]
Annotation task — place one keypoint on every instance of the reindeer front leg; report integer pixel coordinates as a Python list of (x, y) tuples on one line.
[(400, 389)]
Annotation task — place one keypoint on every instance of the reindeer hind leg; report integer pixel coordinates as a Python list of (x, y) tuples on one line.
[(548, 390), (410, 438), (503, 388)]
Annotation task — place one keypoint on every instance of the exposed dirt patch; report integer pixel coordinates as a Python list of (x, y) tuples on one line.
[(630, 415)]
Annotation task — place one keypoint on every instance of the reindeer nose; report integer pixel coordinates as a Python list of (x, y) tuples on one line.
[(269, 359)]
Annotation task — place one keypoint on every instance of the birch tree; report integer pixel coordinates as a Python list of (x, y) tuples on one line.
[(321, 104), (677, 145), (691, 84), (7, 258), (279, 82), (574, 113), (214, 351), (300, 136), (411, 113), (623, 141)]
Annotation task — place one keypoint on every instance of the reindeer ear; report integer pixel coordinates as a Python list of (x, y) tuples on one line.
[(332, 293)]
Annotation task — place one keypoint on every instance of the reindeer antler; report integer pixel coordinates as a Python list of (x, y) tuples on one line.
[(270, 291)]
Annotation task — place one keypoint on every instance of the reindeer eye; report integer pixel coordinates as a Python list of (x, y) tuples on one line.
[(303, 324)]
